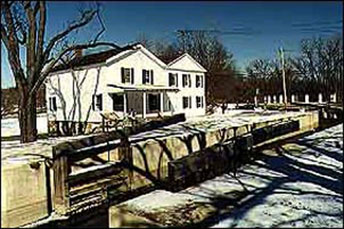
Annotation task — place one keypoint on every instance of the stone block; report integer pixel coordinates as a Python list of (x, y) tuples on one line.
[(159, 208), (24, 196), (121, 218)]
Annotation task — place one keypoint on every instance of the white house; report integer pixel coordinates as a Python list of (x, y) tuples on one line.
[(122, 81)]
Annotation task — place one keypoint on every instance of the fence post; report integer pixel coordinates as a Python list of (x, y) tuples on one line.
[(61, 171)]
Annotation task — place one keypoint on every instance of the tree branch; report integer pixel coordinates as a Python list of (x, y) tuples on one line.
[(31, 44), (102, 29), (41, 32), (46, 71), (11, 42), (87, 16)]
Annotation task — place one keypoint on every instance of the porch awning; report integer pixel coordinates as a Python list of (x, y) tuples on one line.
[(118, 88)]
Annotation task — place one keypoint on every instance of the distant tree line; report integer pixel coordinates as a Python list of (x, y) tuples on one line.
[(9, 100), (316, 68)]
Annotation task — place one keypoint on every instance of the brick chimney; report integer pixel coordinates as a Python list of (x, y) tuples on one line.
[(78, 53)]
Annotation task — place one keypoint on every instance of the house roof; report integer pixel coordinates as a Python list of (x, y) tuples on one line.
[(185, 55), (91, 59), (115, 55)]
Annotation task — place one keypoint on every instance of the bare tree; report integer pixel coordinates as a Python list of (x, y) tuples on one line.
[(144, 40), (23, 26), (320, 65), (209, 51)]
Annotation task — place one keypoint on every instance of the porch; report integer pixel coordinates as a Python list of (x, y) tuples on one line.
[(145, 101)]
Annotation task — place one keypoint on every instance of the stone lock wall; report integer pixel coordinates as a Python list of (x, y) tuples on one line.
[(24, 192), (152, 156)]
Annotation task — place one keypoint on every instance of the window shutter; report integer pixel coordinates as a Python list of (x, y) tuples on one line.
[(54, 104), (170, 79), (190, 102), (100, 102), (50, 104), (176, 79), (122, 74), (189, 80), (93, 105), (152, 77), (132, 76), (143, 76)]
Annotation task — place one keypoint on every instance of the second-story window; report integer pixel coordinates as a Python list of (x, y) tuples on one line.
[(199, 81), (147, 76), (173, 79), (186, 80), (127, 75)]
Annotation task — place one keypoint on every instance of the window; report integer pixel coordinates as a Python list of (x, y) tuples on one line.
[(117, 102), (97, 102), (147, 77), (186, 102), (52, 104), (199, 101), (127, 75), (186, 80), (199, 81), (173, 79)]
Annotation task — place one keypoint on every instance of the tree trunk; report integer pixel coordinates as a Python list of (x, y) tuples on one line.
[(27, 117)]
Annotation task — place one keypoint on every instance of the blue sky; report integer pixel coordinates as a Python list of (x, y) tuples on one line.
[(269, 24)]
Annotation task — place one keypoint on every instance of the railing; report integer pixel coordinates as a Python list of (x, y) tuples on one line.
[(87, 170)]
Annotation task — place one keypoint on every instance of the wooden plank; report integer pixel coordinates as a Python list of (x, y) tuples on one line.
[(111, 169), (61, 170), (72, 146)]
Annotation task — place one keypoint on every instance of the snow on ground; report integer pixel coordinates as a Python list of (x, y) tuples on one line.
[(150, 203), (10, 126), (41, 147), (298, 184)]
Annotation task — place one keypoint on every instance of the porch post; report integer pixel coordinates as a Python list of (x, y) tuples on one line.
[(162, 102), (125, 103), (144, 105)]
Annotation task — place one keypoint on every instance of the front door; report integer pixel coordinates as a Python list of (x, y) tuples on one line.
[(153, 102)]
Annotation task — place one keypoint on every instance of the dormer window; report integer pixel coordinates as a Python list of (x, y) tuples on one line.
[(147, 76), (127, 75)]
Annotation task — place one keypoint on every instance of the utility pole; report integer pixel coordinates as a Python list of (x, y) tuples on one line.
[(283, 75)]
